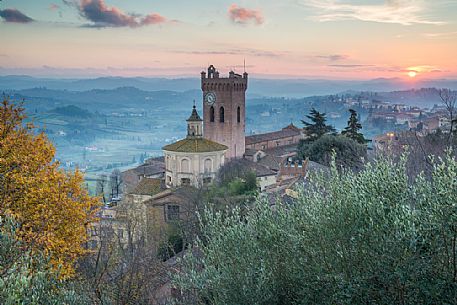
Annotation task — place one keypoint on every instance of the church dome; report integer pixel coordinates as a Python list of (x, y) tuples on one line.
[(195, 145)]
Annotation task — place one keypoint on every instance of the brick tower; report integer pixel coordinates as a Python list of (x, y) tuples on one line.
[(224, 106)]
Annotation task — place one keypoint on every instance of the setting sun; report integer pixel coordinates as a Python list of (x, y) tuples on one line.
[(412, 73)]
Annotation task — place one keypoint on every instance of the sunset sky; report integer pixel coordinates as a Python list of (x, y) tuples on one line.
[(278, 39)]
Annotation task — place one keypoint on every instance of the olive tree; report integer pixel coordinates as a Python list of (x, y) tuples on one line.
[(371, 237)]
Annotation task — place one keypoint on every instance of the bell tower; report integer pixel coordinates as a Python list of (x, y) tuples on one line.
[(224, 109)]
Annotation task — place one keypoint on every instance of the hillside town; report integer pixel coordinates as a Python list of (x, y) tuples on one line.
[(163, 192)]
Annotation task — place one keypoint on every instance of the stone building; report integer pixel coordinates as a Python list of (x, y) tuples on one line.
[(153, 168), (194, 160), (289, 135), (224, 105)]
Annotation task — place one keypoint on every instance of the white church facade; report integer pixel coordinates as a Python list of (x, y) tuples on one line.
[(193, 161)]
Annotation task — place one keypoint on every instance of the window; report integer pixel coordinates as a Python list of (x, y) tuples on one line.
[(238, 114), (211, 114), (185, 165), (207, 180), (208, 166), (172, 212), (185, 181), (221, 115)]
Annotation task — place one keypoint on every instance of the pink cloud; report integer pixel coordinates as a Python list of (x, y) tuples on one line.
[(102, 15), (153, 19), (243, 15), (53, 7)]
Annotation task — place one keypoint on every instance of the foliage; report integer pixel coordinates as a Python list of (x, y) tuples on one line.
[(115, 183), (317, 128), (420, 150), (173, 245), (25, 278), (51, 207), (352, 130), (124, 268), (235, 178), (348, 152), (349, 238)]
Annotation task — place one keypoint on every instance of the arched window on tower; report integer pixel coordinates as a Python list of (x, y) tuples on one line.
[(238, 114), (221, 115), (211, 114)]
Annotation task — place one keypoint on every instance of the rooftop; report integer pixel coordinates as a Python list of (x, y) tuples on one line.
[(258, 169), (195, 145), (149, 169), (289, 131), (194, 117), (148, 186)]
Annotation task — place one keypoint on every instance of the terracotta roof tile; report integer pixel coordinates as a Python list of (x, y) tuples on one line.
[(148, 186), (195, 145), (284, 133)]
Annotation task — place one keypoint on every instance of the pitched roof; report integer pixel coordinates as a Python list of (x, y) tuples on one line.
[(194, 116), (271, 162), (283, 133), (195, 145), (149, 169), (148, 186), (282, 151), (291, 126), (258, 169)]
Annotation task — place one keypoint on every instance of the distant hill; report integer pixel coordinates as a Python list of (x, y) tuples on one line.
[(104, 100), (257, 87), (72, 111)]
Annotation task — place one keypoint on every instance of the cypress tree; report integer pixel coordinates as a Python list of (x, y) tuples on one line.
[(352, 130)]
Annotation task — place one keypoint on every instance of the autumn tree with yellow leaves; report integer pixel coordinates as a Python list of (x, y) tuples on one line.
[(51, 208)]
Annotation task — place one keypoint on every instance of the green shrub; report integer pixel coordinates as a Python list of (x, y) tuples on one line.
[(350, 238), (349, 153)]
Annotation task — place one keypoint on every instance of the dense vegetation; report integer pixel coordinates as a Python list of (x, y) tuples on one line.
[(26, 277), (44, 216), (322, 141), (39, 196), (366, 238), (348, 152)]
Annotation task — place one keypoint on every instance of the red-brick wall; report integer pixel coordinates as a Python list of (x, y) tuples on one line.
[(230, 94)]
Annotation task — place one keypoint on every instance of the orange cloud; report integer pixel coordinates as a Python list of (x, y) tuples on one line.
[(243, 15)]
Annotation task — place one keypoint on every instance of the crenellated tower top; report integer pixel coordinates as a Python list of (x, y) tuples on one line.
[(212, 81)]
